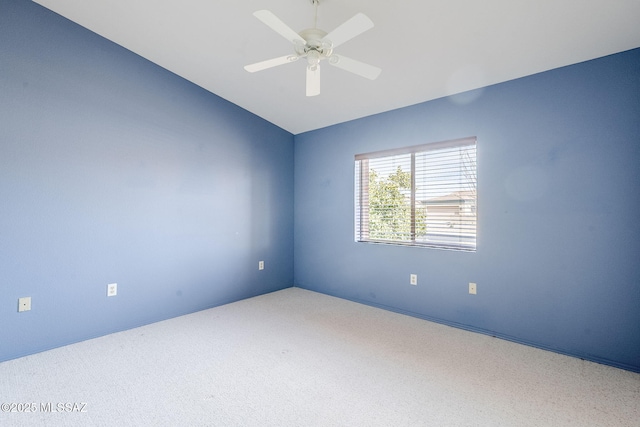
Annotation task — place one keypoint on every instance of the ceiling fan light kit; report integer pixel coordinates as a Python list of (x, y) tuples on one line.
[(317, 45)]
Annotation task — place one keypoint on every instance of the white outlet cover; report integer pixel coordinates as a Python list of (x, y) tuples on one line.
[(413, 279), (112, 289), (472, 288)]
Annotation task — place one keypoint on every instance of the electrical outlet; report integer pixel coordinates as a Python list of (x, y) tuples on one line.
[(261, 265), (24, 304), (112, 289), (413, 279), (472, 288)]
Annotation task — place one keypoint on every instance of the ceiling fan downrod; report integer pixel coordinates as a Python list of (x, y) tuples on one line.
[(315, 16)]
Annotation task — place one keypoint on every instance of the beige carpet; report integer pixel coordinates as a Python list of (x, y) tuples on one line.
[(299, 358)]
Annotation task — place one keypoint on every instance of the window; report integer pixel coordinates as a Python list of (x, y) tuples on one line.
[(424, 195)]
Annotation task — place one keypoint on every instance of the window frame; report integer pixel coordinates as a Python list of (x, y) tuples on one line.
[(361, 191)]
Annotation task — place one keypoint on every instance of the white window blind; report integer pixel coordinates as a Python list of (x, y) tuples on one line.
[(423, 195)]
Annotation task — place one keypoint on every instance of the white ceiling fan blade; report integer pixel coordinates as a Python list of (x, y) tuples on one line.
[(348, 30), (273, 22), (355, 67), (313, 80), (263, 65)]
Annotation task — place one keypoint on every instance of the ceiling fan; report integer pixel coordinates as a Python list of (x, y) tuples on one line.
[(317, 45)]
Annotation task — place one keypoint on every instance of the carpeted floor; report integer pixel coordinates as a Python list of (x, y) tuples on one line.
[(299, 358)]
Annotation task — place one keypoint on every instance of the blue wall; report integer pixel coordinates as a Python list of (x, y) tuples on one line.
[(558, 258), (115, 170)]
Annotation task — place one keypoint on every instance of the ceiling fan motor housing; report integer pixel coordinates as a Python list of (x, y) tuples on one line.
[(315, 49)]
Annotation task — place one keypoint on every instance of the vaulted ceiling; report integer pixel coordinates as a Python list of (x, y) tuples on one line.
[(426, 49)]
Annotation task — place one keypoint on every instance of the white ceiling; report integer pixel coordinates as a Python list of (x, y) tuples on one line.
[(427, 49)]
